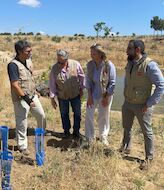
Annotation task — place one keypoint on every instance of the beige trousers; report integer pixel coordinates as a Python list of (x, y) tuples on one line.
[(22, 110)]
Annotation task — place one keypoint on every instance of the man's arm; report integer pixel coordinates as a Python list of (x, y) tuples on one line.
[(81, 77), (156, 77), (14, 81), (52, 87), (17, 89)]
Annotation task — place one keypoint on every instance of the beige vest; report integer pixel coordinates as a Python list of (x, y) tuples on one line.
[(104, 75), (67, 88), (26, 80), (138, 87)]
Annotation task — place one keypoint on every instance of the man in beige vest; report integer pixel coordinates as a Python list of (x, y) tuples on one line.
[(66, 84), (23, 93), (144, 87)]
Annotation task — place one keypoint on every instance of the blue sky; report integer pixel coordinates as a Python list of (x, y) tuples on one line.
[(68, 17)]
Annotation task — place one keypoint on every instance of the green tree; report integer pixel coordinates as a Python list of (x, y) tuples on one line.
[(133, 34), (30, 33), (107, 31), (99, 27), (161, 25), (117, 33), (155, 24), (38, 34)]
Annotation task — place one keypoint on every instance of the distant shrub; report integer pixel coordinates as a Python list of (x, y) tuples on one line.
[(8, 39), (82, 35), (38, 38), (29, 33), (113, 39), (91, 37), (70, 39), (56, 39), (38, 34), (5, 33), (154, 47)]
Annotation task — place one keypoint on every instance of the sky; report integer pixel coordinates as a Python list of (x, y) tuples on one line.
[(69, 17)]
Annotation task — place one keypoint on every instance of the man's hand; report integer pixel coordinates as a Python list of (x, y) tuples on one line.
[(53, 103), (89, 101), (32, 104), (81, 92), (144, 109), (37, 93), (105, 100), (28, 100)]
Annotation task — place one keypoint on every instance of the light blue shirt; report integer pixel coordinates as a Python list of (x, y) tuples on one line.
[(95, 84), (156, 77)]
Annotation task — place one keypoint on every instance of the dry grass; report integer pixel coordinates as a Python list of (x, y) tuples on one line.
[(44, 50), (96, 168), (66, 166)]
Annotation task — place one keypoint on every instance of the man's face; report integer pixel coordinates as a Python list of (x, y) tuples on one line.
[(26, 53), (131, 51), (61, 60)]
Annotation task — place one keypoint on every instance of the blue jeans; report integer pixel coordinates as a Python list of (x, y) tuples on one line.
[(64, 111)]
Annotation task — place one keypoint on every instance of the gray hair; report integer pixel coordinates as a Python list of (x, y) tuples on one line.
[(21, 45), (63, 53)]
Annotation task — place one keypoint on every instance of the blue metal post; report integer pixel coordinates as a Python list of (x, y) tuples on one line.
[(39, 146), (5, 159)]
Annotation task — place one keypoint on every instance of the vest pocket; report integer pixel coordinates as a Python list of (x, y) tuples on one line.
[(23, 74), (140, 95)]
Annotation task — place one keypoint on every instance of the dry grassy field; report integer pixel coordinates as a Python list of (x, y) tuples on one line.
[(68, 165)]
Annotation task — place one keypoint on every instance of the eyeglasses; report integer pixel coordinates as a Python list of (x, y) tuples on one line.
[(29, 51)]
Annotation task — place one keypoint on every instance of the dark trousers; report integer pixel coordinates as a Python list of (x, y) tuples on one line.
[(64, 111)]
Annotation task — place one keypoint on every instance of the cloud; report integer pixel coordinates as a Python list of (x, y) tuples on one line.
[(30, 3)]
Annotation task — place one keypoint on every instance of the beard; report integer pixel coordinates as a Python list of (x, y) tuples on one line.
[(131, 57)]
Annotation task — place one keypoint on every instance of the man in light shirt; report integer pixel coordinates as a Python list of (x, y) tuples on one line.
[(66, 83)]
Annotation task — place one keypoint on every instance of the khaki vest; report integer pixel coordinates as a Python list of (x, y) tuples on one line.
[(67, 88), (104, 75), (26, 80), (138, 87)]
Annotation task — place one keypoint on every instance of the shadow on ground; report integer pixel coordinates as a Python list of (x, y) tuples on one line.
[(67, 143), (12, 132), (24, 160), (132, 159)]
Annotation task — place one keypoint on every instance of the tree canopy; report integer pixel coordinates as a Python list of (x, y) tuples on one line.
[(157, 24)]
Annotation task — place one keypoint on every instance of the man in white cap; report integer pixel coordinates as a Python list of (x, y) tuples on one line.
[(66, 83)]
